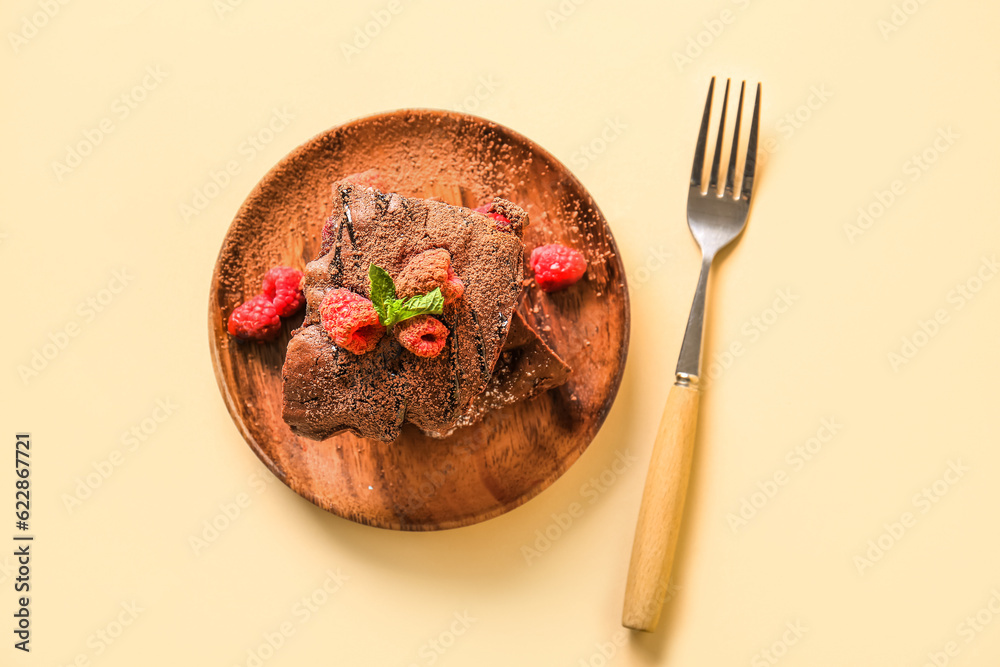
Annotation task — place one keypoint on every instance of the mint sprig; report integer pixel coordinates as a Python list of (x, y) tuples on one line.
[(392, 310), (383, 290)]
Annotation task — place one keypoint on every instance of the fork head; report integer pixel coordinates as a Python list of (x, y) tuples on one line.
[(716, 218)]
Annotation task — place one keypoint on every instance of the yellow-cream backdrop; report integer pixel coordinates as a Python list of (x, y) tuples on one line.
[(842, 508)]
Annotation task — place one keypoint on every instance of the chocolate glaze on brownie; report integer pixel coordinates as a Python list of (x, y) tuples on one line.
[(527, 366), (328, 389)]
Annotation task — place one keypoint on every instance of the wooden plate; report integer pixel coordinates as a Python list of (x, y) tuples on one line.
[(481, 471)]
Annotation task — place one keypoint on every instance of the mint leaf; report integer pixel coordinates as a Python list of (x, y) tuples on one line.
[(383, 292), (391, 310), (425, 304), (430, 303)]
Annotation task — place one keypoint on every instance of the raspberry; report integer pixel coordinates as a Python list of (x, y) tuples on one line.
[(351, 321), (422, 335), (256, 319), (487, 210), (453, 288), (282, 285), (556, 266), (424, 272), (367, 179)]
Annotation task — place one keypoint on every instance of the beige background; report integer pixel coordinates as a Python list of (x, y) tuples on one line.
[(568, 75)]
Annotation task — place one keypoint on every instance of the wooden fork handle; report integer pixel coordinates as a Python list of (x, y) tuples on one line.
[(661, 510)]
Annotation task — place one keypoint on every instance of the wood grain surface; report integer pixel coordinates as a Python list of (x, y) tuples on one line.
[(480, 471), (661, 510)]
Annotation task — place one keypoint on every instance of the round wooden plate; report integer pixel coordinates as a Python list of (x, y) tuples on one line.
[(480, 471)]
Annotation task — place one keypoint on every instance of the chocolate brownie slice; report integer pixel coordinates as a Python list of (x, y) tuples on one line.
[(527, 366), (328, 389)]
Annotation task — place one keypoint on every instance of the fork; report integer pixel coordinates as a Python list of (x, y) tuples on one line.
[(715, 220)]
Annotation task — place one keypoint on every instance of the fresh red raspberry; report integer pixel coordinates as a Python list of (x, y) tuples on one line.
[(424, 272), (351, 321), (487, 210), (422, 335), (453, 288), (555, 266), (282, 285), (256, 319)]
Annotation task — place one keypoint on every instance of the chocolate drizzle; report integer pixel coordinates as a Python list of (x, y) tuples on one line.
[(484, 369), (348, 223), (456, 373)]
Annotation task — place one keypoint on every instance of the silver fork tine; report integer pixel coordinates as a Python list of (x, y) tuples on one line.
[(713, 183), (731, 172), (699, 150), (748, 170)]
